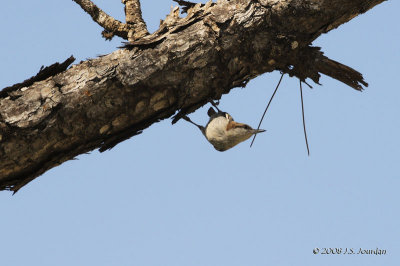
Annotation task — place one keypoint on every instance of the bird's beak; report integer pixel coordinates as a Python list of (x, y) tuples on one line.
[(259, 131)]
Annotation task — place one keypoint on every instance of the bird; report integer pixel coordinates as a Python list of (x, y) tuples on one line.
[(222, 131)]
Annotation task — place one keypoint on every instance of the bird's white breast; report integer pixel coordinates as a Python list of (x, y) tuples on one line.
[(216, 129)]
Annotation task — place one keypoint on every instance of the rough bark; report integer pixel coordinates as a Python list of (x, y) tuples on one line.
[(188, 61), (133, 17)]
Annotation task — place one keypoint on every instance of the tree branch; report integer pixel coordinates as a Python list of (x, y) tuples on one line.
[(133, 15), (216, 47), (111, 26)]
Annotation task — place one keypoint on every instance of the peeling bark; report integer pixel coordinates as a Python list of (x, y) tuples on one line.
[(188, 61)]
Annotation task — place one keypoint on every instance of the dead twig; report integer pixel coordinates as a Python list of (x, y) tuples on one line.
[(304, 120), (110, 24), (270, 100)]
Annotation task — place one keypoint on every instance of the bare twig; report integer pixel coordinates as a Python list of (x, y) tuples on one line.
[(304, 120), (133, 16), (110, 24), (270, 100)]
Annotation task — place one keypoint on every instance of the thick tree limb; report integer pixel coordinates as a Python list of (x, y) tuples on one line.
[(133, 15), (111, 25), (216, 47)]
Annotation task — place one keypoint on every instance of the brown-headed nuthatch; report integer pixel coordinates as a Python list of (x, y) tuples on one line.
[(222, 131)]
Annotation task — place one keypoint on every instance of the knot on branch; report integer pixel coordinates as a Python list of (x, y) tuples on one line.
[(108, 35)]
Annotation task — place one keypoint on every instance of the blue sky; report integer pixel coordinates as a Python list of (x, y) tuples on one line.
[(166, 197)]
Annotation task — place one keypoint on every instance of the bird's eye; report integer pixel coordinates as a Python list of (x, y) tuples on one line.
[(246, 127)]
